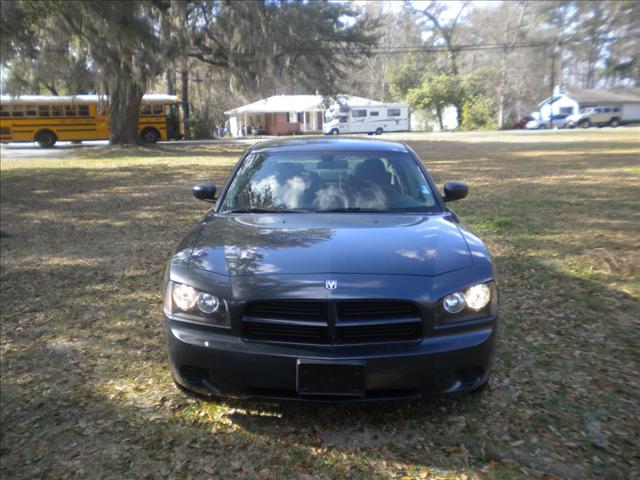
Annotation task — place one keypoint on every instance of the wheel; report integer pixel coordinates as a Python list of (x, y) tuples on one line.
[(46, 138), (335, 131), (379, 131), (150, 135), (614, 122), (585, 124)]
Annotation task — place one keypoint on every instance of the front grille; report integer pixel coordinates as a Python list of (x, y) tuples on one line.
[(388, 332), (343, 322), (376, 309), (285, 333), (286, 310)]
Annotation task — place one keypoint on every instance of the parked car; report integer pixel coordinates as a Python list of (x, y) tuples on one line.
[(597, 116), (556, 121), (330, 270), (522, 123)]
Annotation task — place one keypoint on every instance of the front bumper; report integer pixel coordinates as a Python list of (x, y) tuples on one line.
[(454, 360)]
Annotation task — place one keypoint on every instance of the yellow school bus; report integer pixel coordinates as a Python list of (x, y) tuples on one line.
[(48, 119)]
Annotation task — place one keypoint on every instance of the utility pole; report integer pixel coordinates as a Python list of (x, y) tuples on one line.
[(553, 83)]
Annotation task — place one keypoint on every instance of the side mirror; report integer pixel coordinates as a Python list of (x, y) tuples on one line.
[(455, 190), (205, 192)]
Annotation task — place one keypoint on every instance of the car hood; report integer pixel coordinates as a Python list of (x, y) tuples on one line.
[(280, 244)]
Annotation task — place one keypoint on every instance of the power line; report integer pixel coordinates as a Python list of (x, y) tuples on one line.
[(445, 48)]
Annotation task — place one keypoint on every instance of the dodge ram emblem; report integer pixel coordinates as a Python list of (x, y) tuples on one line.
[(331, 284)]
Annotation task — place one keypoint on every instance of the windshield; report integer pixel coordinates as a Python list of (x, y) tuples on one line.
[(325, 181)]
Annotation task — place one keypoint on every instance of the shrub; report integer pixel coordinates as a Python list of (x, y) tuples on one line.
[(201, 125), (478, 113)]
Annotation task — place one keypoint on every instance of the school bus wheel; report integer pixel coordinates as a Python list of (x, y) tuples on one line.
[(150, 135), (46, 138)]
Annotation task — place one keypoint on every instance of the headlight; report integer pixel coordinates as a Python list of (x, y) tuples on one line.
[(454, 303), (473, 302), (185, 302)]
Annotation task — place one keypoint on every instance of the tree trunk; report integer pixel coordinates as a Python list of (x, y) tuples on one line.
[(171, 81), (439, 114), (184, 76), (124, 108)]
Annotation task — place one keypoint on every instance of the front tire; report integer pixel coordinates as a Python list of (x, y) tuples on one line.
[(334, 131), (379, 131), (585, 124), (614, 122), (46, 139), (150, 135)]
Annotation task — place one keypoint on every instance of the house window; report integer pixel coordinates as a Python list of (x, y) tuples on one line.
[(393, 112), (374, 114), (566, 110), (293, 117), (358, 113)]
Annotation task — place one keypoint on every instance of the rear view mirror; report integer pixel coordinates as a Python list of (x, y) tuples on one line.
[(455, 190), (205, 192)]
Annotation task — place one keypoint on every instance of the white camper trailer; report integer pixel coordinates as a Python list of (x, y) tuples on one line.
[(361, 115)]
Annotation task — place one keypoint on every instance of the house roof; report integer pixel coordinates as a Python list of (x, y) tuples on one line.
[(282, 103), (597, 95), (301, 103), (54, 99)]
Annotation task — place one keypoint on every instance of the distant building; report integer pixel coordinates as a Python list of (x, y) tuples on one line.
[(278, 115), (572, 100), (292, 114)]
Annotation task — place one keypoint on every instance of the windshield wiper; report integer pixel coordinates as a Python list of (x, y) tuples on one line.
[(264, 210), (353, 209)]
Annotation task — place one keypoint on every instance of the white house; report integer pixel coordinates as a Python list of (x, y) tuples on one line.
[(278, 115)]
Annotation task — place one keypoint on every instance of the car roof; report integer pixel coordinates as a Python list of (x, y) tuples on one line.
[(318, 144)]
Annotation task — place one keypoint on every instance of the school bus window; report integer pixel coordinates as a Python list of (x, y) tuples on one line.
[(30, 110), (146, 110), (157, 109), (83, 110), (4, 112), (17, 111), (56, 110), (70, 110), (43, 110)]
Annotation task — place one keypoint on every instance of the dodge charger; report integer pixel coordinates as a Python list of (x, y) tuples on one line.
[(330, 269)]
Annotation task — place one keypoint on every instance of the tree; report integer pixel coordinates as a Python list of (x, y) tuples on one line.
[(35, 60), (444, 31), (436, 92), (271, 46), (128, 49)]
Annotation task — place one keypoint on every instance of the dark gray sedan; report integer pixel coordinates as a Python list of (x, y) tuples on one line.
[(330, 270)]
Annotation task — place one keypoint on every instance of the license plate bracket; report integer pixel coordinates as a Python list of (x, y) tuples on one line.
[(317, 377)]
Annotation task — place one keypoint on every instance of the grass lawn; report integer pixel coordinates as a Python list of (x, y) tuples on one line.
[(86, 392)]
